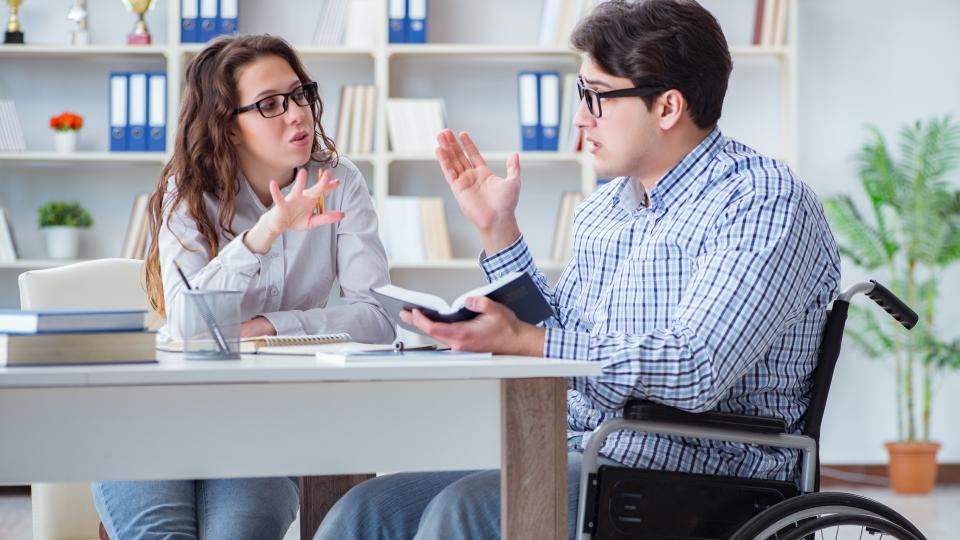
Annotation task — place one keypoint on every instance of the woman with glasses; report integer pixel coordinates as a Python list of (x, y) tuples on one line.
[(255, 199)]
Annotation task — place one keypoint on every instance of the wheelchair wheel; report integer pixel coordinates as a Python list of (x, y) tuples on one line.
[(838, 516)]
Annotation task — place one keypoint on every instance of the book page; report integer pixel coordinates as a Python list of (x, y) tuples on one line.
[(484, 290), (414, 297)]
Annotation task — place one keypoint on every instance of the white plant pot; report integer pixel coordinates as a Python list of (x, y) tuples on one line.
[(65, 141), (62, 242)]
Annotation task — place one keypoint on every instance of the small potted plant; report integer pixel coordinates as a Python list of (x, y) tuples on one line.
[(61, 223), (65, 128)]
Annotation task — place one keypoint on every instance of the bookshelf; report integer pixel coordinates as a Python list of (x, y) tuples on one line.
[(471, 61)]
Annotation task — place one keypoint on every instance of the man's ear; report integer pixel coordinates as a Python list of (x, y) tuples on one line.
[(672, 107)]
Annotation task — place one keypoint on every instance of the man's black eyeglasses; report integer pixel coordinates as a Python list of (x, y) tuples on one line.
[(276, 104), (593, 97)]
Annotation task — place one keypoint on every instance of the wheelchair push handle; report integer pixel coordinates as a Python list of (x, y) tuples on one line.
[(893, 305)]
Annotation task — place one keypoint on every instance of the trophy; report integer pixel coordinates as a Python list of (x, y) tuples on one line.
[(13, 34), (78, 14), (140, 35)]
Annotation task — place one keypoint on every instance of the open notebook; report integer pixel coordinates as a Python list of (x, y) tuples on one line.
[(306, 345)]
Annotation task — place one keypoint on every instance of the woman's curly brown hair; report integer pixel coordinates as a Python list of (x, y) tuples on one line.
[(204, 160)]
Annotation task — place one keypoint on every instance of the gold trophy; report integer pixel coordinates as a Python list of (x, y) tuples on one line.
[(140, 35), (13, 34)]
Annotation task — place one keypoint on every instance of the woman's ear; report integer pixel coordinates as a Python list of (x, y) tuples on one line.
[(233, 134), (672, 108)]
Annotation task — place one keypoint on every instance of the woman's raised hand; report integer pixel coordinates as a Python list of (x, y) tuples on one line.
[(301, 209)]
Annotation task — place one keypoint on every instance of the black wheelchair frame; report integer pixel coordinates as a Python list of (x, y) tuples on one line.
[(619, 503)]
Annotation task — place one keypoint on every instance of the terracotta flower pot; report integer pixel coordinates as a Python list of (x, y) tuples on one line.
[(913, 466)]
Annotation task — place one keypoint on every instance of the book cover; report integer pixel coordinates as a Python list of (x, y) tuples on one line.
[(77, 348), (15, 321), (515, 290)]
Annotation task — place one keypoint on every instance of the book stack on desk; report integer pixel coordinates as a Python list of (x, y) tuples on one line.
[(71, 336)]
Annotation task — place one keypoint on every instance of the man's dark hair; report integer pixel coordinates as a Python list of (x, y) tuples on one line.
[(676, 44)]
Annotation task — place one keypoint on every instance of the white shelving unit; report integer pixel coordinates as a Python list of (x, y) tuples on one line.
[(477, 78)]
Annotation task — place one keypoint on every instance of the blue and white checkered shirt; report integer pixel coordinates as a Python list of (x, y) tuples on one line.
[(711, 298)]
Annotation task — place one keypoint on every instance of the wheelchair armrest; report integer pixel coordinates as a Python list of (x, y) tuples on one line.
[(654, 412)]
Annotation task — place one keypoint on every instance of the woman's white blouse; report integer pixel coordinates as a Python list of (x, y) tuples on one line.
[(290, 284)]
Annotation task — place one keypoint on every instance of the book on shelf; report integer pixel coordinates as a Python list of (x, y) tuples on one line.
[(413, 124), (770, 23), (559, 18), (16, 321), (11, 134), (134, 242), (355, 119), (425, 236), (547, 103), (359, 27), (410, 355), (407, 21), (77, 348), (8, 248), (515, 290), (563, 233), (331, 22)]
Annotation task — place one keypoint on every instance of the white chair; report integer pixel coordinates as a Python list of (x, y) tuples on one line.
[(66, 511)]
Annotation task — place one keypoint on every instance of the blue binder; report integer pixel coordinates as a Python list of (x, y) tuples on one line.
[(549, 110), (416, 21), (227, 17), (208, 20), (118, 111), (528, 86), (396, 21), (137, 112), (189, 21), (157, 112)]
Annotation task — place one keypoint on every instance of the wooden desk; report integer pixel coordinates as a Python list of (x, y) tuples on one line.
[(292, 416)]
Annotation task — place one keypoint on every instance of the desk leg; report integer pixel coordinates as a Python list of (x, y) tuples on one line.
[(318, 494), (533, 482)]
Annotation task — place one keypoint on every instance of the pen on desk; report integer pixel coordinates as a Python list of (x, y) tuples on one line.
[(205, 314)]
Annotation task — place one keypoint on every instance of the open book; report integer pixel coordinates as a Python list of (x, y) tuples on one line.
[(515, 290)]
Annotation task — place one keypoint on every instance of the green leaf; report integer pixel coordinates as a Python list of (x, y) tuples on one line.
[(860, 241)]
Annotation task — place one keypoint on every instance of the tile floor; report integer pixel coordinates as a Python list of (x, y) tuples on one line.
[(936, 515)]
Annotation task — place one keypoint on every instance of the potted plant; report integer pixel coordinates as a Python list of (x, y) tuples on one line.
[(61, 223), (912, 233), (66, 126)]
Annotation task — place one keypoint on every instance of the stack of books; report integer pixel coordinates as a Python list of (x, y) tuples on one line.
[(358, 108), (11, 135), (770, 23), (563, 233), (346, 22), (425, 238), (135, 242), (414, 124), (559, 19), (8, 248), (74, 336)]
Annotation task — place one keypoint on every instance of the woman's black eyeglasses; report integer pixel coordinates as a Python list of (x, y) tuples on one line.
[(593, 97), (276, 104)]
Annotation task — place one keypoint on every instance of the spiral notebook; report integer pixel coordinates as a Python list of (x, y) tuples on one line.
[(300, 345), (289, 344)]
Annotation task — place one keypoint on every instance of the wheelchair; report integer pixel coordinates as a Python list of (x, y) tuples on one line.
[(619, 503)]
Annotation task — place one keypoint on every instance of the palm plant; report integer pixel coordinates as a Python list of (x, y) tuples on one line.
[(913, 232)]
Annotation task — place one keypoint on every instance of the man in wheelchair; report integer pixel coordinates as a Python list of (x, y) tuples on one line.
[(700, 279)]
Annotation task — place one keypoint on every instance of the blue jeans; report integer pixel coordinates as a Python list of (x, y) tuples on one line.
[(427, 506), (241, 508)]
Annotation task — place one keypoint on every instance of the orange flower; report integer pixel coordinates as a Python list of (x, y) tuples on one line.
[(66, 121)]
